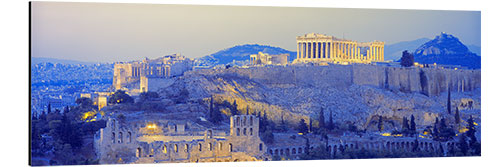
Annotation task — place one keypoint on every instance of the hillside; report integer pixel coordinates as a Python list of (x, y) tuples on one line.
[(447, 49), (271, 90), (241, 53)]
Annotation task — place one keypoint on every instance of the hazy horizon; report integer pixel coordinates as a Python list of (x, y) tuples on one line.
[(107, 32)]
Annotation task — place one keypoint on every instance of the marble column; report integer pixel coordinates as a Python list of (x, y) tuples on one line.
[(322, 51), (382, 57)]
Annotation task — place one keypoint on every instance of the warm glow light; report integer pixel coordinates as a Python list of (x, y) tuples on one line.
[(89, 116), (386, 134), (151, 126), (301, 134)]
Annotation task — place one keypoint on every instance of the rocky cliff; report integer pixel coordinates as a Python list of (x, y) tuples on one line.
[(354, 94)]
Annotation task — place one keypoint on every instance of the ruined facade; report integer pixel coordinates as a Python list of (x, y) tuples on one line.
[(314, 47), (127, 76), (266, 59), (153, 140)]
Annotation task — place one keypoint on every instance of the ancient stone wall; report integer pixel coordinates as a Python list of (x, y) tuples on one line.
[(429, 81)]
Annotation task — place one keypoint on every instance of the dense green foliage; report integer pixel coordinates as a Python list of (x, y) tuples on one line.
[(407, 59), (120, 97)]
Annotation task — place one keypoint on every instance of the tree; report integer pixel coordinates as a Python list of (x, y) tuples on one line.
[(413, 128), (406, 126), (310, 125), (471, 130), (308, 146), (463, 145), (321, 119), (415, 145), (302, 127), (214, 114), (457, 118), (234, 108), (407, 60), (120, 97), (330, 122), (146, 96), (211, 107), (263, 123), (84, 102), (380, 123), (448, 103), (268, 137), (49, 109)]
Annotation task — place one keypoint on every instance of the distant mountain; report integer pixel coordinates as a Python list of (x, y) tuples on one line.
[(395, 51), (241, 53), (38, 60), (447, 49), (475, 49)]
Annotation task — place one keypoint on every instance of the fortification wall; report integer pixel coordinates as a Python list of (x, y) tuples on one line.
[(429, 81)]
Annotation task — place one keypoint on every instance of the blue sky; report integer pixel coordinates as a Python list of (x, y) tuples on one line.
[(100, 32)]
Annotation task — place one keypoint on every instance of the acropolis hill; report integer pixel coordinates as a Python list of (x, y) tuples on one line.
[(367, 99), (353, 93)]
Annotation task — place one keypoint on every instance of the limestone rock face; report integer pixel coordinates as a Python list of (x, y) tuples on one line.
[(291, 94)]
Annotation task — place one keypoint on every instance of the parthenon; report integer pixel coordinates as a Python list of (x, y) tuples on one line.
[(314, 47)]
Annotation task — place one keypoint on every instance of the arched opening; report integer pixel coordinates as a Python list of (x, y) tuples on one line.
[(220, 146), (294, 151), (287, 151), (210, 146), (230, 147), (175, 128), (251, 131), (113, 137), (164, 149), (237, 131), (270, 151), (244, 131), (237, 121), (176, 148), (251, 121), (129, 137), (244, 121), (120, 137), (199, 146), (281, 152), (186, 148), (260, 147), (113, 122), (138, 152), (210, 134)]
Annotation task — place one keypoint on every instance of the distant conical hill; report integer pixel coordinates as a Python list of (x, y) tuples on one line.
[(241, 53), (448, 50)]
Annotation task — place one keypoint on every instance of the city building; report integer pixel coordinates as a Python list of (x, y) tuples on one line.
[(314, 47)]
